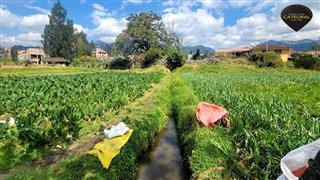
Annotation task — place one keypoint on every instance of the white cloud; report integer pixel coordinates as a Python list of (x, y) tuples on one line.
[(41, 10), (195, 20), (100, 12), (240, 3), (80, 28), (169, 3), (108, 28), (98, 7), (261, 27), (27, 39), (82, 2), (35, 22), (136, 1), (8, 19), (196, 27), (209, 4)]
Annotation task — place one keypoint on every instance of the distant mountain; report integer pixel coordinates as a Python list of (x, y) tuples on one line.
[(301, 45), (103, 45), (193, 49), (21, 47)]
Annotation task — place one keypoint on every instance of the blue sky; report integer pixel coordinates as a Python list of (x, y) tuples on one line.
[(215, 23)]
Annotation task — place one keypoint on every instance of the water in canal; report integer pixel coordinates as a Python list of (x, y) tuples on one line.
[(164, 161)]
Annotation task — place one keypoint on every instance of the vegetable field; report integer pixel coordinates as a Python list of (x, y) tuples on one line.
[(49, 110), (271, 112)]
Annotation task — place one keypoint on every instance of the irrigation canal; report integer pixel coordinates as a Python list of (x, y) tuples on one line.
[(164, 160)]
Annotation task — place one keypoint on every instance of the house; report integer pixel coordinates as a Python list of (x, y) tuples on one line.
[(35, 55), (100, 53), (55, 60), (233, 52), (22, 55), (284, 51)]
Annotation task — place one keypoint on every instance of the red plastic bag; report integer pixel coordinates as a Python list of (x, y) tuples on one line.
[(209, 114)]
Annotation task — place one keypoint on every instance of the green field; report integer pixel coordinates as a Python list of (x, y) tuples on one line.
[(40, 70), (272, 112), (53, 110)]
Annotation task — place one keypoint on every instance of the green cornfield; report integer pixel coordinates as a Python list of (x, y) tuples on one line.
[(49, 109), (271, 113)]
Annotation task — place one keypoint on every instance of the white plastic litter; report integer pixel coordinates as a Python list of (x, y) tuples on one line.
[(12, 122), (298, 158), (118, 130)]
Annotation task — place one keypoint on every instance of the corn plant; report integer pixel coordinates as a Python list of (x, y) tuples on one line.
[(271, 113)]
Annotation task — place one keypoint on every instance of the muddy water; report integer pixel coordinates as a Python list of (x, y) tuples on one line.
[(164, 160)]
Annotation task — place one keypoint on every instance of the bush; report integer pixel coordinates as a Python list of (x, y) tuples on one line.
[(174, 58), (120, 63), (26, 62), (150, 57), (307, 62), (269, 59), (255, 57), (295, 56), (87, 59), (75, 62)]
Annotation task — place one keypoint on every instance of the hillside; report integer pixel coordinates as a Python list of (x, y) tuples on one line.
[(301, 45), (103, 45), (193, 49), (21, 47)]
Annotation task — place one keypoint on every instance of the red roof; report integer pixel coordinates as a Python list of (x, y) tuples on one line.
[(244, 49), (270, 46)]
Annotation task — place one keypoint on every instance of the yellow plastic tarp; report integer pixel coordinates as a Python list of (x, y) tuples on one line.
[(107, 149)]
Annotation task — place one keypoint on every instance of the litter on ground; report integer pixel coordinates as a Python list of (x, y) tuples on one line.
[(300, 162), (209, 114), (118, 130), (107, 149)]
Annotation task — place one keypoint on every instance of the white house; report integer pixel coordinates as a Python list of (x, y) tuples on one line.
[(100, 53)]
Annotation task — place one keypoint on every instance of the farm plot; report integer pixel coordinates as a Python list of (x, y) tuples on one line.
[(271, 113), (49, 110)]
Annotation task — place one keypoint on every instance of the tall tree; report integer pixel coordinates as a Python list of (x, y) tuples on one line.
[(196, 55), (80, 51), (92, 47), (14, 54), (58, 35), (144, 31), (86, 45)]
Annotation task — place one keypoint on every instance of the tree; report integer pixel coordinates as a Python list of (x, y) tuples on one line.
[(87, 47), (316, 47), (175, 58), (150, 57), (92, 47), (14, 54), (196, 55), (58, 35), (80, 51), (144, 31), (173, 39), (2, 52)]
